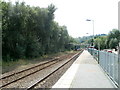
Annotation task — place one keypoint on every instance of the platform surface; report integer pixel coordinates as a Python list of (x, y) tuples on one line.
[(85, 72)]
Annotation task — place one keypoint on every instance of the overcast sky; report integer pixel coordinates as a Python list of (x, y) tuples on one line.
[(73, 14)]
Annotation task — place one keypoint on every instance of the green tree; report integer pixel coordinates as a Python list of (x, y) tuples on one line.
[(113, 38), (99, 42), (29, 32)]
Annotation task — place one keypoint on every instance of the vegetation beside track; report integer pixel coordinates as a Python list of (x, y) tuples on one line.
[(30, 35), (23, 63)]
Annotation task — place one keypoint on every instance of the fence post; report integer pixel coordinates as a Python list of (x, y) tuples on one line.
[(98, 56), (98, 53)]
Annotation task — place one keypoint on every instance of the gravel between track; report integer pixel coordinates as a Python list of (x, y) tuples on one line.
[(24, 83), (50, 81)]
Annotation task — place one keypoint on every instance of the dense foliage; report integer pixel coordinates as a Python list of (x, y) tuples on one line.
[(110, 41), (31, 31), (102, 41)]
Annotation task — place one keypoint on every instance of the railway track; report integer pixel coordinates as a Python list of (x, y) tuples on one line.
[(73, 58), (24, 73), (16, 77)]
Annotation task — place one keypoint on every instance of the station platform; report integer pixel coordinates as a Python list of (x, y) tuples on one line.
[(85, 72)]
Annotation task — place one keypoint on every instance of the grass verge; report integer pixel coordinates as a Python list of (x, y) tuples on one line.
[(12, 65)]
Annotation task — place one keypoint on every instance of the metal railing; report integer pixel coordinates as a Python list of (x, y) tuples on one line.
[(108, 61)]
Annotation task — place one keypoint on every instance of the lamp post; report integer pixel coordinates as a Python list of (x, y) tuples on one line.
[(119, 45), (93, 30)]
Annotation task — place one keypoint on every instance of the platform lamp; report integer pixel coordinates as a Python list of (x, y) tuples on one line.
[(119, 46), (93, 34), (93, 30)]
